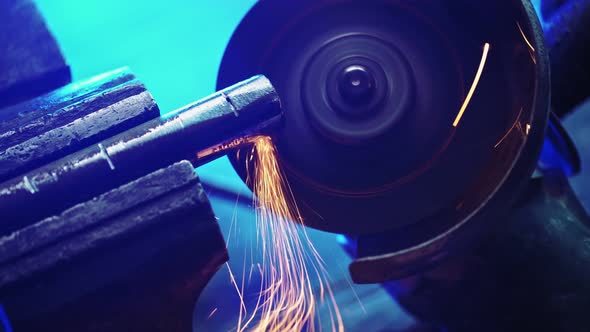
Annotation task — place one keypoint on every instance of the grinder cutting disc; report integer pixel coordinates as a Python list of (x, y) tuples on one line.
[(381, 131)]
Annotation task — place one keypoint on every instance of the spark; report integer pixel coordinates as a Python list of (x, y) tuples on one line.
[(533, 57), (484, 57), (526, 40), (287, 301), (233, 219), (212, 313), (514, 125), (354, 293)]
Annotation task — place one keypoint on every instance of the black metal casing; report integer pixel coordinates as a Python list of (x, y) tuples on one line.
[(388, 245)]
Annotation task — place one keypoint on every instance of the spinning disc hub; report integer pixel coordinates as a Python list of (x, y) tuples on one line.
[(360, 99), (356, 84)]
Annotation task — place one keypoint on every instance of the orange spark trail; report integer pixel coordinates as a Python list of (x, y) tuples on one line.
[(526, 40), (484, 57), (286, 302), (514, 125)]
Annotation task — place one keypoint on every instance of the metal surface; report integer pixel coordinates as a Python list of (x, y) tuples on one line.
[(122, 261), (69, 119), (30, 60), (105, 225), (230, 113), (567, 31), (531, 275), (559, 154)]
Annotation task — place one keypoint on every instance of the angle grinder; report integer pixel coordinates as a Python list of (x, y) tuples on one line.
[(409, 126)]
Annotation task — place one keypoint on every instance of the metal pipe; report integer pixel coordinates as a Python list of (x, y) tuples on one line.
[(235, 112)]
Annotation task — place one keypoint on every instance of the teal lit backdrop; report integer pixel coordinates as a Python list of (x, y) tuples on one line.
[(175, 47)]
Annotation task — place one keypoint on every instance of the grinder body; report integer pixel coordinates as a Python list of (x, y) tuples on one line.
[(405, 130), (446, 216)]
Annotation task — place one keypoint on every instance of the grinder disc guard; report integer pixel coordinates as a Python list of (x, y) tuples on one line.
[(371, 90)]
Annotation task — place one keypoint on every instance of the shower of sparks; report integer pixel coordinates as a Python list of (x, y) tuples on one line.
[(287, 301), (484, 57)]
